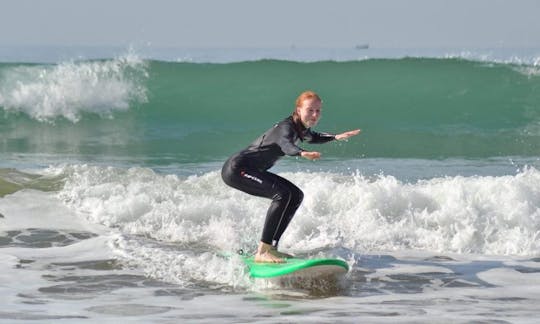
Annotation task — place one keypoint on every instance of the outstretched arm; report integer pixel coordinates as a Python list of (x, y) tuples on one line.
[(346, 135), (313, 155)]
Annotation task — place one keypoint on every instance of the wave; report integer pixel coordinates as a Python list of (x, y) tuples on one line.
[(476, 214), (407, 108), (46, 92)]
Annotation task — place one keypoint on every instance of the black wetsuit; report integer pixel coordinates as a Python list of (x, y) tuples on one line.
[(247, 170)]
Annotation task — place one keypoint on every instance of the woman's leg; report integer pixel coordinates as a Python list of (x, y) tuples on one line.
[(286, 198), (286, 201)]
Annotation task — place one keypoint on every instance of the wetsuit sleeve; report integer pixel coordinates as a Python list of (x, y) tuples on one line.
[(319, 138), (286, 141)]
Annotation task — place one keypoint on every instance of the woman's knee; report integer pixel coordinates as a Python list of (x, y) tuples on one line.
[(292, 194), (298, 196)]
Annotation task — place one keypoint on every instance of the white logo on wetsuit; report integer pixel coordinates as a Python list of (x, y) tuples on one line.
[(249, 176)]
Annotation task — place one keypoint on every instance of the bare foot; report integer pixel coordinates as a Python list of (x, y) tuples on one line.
[(267, 257), (265, 254), (279, 254)]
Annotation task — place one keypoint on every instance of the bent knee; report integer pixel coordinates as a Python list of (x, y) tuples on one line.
[(291, 194), (299, 195)]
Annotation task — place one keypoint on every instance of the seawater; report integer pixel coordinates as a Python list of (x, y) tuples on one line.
[(408, 108), (112, 207)]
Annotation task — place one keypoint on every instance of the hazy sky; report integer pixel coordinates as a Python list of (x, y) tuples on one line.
[(272, 23)]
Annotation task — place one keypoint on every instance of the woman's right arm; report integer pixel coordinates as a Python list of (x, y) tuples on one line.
[(310, 155)]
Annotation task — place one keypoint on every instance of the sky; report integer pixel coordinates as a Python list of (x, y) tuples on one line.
[(272, 23)]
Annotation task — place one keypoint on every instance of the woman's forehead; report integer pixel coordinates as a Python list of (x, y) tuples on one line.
[(311, 103)]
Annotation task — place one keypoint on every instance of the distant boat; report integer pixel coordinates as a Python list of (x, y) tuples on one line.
[(361, 46)]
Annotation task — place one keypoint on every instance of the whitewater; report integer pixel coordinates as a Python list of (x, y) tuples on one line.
[(112, 207)]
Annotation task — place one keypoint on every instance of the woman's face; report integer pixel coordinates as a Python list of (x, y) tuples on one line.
[(309, 112)]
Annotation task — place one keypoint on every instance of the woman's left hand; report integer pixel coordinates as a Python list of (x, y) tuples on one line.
[(348, 134)]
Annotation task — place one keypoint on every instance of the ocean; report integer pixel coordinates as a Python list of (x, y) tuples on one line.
[(112, 208)]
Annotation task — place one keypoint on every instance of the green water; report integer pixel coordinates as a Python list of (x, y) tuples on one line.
[(193, 112)]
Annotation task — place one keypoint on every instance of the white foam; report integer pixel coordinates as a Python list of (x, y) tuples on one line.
[(31, 209), (25, 270), (410, 269), (181, 266), (484, 215), (405, 285), (510, 277), (37, 209), (168, 208), (97, 248), (46, 92), (492, 215)]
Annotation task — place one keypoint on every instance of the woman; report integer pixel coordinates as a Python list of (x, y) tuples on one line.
[(247, 170)]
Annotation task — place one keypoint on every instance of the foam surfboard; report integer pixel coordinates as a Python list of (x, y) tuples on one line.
[(297, 267)]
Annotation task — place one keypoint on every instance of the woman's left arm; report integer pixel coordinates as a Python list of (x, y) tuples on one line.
[(346, 135)]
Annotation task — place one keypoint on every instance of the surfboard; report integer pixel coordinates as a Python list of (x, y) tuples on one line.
[(297, 267)]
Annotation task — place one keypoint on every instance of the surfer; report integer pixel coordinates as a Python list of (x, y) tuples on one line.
[(247, 170)]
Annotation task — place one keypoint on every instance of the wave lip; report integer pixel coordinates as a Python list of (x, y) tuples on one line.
[(69, 89)]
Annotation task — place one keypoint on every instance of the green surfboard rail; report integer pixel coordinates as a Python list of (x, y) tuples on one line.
[(269, 270)]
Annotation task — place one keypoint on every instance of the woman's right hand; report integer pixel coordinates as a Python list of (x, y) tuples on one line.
[(311, 155)]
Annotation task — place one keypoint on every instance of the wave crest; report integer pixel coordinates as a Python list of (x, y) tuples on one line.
[(69, 89)]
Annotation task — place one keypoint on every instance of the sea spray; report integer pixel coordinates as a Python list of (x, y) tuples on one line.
[(478, 214), (69, 89)]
